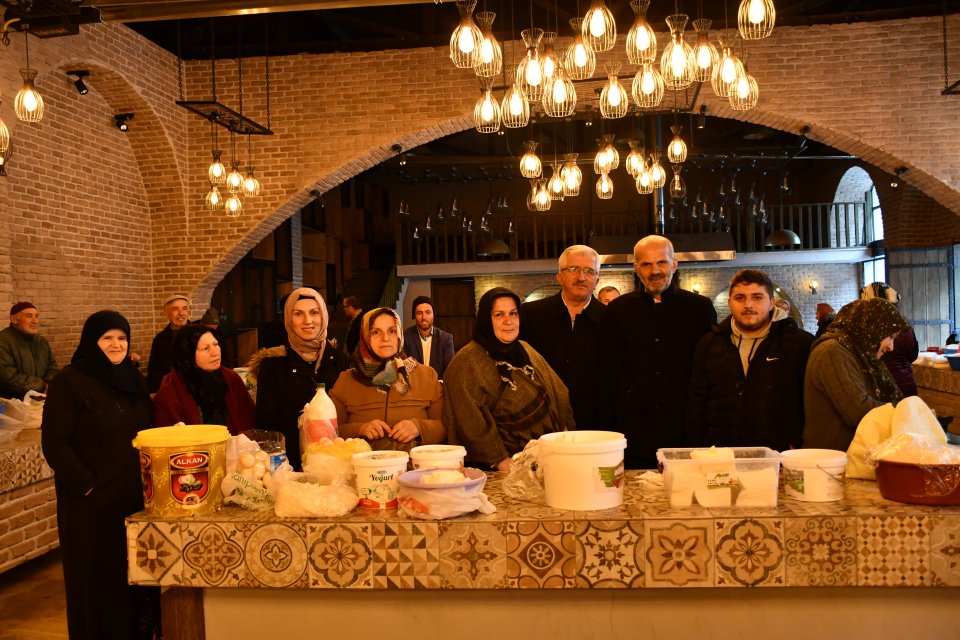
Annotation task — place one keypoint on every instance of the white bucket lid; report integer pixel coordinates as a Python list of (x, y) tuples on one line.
[(430, 451), (813, 458), (582, 442), (380, 458)]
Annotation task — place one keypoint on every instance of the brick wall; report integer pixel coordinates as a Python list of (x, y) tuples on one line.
[(93, 219), (28, 523)]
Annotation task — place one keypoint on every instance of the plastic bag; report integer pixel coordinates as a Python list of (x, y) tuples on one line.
[(299, 495), (913, 448), (434, 504), (318, 420), (28, 412), (331, 461), (525, 480), (247, 481)]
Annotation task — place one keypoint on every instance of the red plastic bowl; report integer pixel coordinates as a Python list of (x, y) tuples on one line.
[(919, 484)]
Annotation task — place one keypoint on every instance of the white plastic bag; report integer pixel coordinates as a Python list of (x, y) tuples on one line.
[(525, 480), (299, 495), (433, 504), (247, 481)]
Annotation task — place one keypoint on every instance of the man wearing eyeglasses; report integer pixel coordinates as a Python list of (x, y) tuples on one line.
[(649, 338), (565, 330)]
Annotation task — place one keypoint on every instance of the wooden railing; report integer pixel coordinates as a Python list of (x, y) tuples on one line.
[(534, 236)]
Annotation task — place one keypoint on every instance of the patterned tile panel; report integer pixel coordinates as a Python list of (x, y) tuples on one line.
[(679, 553), (473, 555), (22, 462), (406, 555), (821, 552), (276, 555), (945, 551), (609, 554), (212, 555), (340, 556), (541, 555), (155, 553), (893, 551), (750, 553)]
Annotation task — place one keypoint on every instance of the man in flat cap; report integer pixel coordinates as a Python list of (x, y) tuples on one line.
[(26, 361), (177, 310)]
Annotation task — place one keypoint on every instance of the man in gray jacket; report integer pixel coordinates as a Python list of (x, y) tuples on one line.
[(26, 361)]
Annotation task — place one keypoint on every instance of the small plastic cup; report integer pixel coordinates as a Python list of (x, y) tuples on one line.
[(438, 456), (377, 473)]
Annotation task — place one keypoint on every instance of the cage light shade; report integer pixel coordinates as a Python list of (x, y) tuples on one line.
[(214, 199), (486, 113), (607, 158), (251, 186), (234, 179), (530, 69), (217, 172), (490, 55), (233, 206), (744, 92), (756, 18), (530, 165), (599, 28), (531, 195), (658, 177), (614, 100), (572, 176), (647, 87), (555, 184), (678, 64), (541, 199), (678, 188), (634, 162), (559, 95), (727, 69), (580, 60), (549, 60), (604, 187), (641, 39), (4, 138), (28, 105), (466, 40), (644, 181), (704, 52), (677, 150), (515, 108)]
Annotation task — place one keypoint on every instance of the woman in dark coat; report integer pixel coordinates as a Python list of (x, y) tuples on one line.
[(286, 377), (198, 389), (93, 411), (898, 360)]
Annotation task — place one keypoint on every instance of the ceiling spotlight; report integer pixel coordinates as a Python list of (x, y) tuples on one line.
[(120, 121), (78, 83), (899, 171)]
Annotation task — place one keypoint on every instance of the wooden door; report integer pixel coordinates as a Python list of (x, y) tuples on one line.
[(454, 308), (922, 277)]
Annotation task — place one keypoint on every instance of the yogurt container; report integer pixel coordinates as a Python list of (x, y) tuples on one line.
[(438, 456), (377, 473)]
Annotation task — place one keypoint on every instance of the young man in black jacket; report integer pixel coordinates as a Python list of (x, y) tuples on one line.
[(747, 382)]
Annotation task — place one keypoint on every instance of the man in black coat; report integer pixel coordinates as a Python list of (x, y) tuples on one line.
[(648, 341), (424, 336), (565, 329), (177, 310), (747, 383)]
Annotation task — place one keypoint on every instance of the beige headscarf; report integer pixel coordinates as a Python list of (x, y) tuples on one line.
[(309, 350)]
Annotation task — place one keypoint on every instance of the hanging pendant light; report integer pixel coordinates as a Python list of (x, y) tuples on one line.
[(530, 70), (756, 18), (217, 172), (677, 64), (648, 88), (599, 28), (515, 109), (530, 165), (703, 51), (251, 186), (744, 92), (580, 60), (634, 162), (4, 137), (542, 200), (604, 187), (486, 113), (644, 181), (233, 206), (555, 184), (614, 101), (658, 177), (490, 57), (572, 176), (28, 103), (234, 178), (549, 60), (214, 200), (559, 95), (531, 196), (607, 158), (641, 39), (728, 68), (677, 151), (466, 40), (678, 188)]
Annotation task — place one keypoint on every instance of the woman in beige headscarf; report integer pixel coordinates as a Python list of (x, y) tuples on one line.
[(286, 377)]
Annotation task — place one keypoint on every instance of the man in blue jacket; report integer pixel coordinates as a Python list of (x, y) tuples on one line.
[(747, 384), (425, 342)]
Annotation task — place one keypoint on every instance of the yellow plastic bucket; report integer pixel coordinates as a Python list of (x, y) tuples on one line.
[(182, 468)]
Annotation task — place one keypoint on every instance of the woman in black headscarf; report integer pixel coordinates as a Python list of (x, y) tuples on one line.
[(199, 389), (93, 410), (845, 377), (499, 392)]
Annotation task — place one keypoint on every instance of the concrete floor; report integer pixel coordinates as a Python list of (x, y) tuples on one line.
[(32, 600)]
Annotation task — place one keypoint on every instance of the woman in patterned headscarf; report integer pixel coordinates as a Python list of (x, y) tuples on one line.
[(845, 377), (387, 398)]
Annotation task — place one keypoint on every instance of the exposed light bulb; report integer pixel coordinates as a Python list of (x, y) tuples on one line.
[(678, 61), (643, 39), (486, 51), (728, 70), (756, 12), (559, 90), (486, 110), (613, 97), (704, 58), (30, 101), (516, 104), (533, 73), (647, 82), (596, 23), (465, 42), (580, 55)]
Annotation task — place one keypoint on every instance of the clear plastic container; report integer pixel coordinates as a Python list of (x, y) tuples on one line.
[(749, 479)]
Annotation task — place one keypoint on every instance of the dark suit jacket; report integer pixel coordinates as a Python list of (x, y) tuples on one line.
[(441, 351), (574, 353)]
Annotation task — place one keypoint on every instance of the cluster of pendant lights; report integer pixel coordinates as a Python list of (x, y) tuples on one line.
[(233, 180), (28, 104), (546, 76)]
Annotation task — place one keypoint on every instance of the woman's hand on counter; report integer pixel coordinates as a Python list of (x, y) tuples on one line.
[(375, 429), (505, 465), (405, 431)]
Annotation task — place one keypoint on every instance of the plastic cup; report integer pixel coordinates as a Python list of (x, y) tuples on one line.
[(377, 473), (438, 456)]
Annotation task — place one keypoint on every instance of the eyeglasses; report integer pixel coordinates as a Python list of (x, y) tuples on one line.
[(587, 271)]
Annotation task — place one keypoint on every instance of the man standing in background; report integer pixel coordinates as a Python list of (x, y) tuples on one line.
[(177, 310), (426, 343), (26, 360)]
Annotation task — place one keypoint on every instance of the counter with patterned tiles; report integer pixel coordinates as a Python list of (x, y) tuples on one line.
[(27, 501), (863, 540)]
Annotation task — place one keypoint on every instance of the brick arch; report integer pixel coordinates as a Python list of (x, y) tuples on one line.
[(854, 183)]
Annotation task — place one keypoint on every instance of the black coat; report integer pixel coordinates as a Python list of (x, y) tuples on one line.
[(648, 352), (285, 384), (574, 353), (159, 365), (86, 434), (763, 408)]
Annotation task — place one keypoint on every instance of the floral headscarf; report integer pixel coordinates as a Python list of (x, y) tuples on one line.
[(377, 371)]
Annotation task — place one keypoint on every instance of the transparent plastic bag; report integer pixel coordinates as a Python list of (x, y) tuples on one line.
[(913, 448), (525, 480), (300, 495), (433, 504), (247, 481)]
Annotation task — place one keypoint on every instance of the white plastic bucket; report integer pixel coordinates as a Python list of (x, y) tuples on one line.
[(377, 473), (438, 456), (583, 470), (814, 475)]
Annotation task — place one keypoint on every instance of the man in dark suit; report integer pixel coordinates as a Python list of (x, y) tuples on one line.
[(424, 339), (648, 340), (565, 329)]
